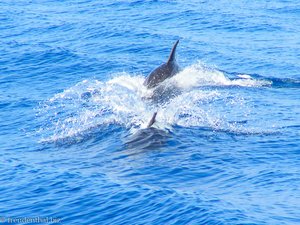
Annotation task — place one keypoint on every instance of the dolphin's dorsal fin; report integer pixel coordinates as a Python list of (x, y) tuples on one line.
[(152, 121), (172, 54)]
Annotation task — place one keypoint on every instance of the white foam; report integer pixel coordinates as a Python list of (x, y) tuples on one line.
[(198, 75)]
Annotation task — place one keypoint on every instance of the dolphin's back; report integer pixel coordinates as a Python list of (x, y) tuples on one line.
[(158, 75), (164, 71)]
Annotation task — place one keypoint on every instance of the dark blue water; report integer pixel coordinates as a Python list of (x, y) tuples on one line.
[(226, 145)]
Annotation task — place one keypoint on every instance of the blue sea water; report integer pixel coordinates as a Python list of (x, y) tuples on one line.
[(73, 111)]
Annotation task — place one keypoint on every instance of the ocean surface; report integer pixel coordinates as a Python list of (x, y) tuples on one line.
[(74, 146)]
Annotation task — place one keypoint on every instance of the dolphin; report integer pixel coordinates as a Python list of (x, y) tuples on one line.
[(164, 71)]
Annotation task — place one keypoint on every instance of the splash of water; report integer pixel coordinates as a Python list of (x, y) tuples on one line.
[(121, 101)]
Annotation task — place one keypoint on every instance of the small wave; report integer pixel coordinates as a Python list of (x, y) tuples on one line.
[(284, 83), (273, 82)]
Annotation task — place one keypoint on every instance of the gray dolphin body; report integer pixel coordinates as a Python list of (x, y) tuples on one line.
[(161, 73), (164, 71)]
